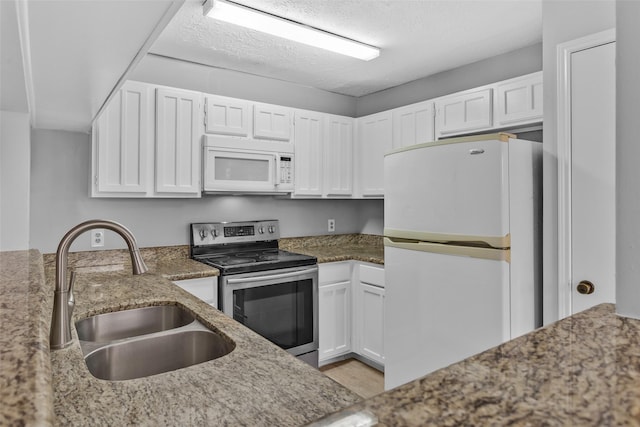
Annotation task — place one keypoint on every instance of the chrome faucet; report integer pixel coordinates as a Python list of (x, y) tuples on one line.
[(63, 301)]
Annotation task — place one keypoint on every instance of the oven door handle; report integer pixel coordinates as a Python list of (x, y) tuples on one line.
[(231, 281)]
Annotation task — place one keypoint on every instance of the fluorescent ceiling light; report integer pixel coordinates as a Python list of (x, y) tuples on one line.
[(280, 27)]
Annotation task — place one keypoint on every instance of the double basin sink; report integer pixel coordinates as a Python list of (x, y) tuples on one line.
[(146, 341)]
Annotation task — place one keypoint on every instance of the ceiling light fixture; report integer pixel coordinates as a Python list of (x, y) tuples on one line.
[(245, 16)]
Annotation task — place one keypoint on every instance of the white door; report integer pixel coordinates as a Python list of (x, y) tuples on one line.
[(448, 191), (441, 308), (309, 148), (121, 135), (334, 319), (371, 322), (178, 141), (413, 124), (593, 106), (375, 138), (338, 156), (463, 113), (226, 116)]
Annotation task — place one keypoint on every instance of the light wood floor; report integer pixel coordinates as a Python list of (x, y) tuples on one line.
[(356, 376)]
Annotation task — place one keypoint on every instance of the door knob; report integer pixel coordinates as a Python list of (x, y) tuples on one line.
[(585, 287)]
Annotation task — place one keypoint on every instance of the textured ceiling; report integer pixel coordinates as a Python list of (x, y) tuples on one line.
[(418, 38)]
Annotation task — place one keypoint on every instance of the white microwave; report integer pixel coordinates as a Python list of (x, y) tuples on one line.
[(230, 170)]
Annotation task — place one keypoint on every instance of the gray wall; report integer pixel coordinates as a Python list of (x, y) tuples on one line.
[(60, 164), (14, 180), (563, 20), (627, 155), (511, 64), (187, 75)]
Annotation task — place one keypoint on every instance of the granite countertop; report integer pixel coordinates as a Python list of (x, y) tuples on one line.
[(341, 247), (257, 381), (583, 370), (25, 314)]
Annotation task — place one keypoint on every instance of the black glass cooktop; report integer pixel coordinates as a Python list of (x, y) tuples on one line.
[(248, 260)]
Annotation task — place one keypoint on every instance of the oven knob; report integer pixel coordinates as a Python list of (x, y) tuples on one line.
[(261, 230), (272, 229), (203, 234), (214, 233)]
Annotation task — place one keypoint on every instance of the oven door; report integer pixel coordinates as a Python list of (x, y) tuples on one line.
[(281, 305)]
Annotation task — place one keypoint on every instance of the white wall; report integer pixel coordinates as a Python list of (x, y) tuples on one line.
[(14, 180), (501, 67), (60, 199), (187, 75), (562, 20), (627, 156)]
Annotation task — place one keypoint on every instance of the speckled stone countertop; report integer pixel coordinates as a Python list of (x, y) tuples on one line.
[(340, 247), (25, 311), (256, 384), (583, 370)]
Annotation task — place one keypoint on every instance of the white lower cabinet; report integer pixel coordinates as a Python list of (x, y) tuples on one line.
[(369, 311), (205, 288), (334, 309), (351, 311)]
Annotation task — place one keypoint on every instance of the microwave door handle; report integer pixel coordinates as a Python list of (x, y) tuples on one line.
[(276, 165), (270, 276)]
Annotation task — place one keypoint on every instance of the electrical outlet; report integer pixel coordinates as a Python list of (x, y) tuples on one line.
[(97, 238), (331, 225)]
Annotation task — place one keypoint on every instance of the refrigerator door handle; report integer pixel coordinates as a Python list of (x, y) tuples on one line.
[(476, 151), (449, 249)]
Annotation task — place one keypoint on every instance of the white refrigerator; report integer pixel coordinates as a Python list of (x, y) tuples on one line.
[(462, 224)]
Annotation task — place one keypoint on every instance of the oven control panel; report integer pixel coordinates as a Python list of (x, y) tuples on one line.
[(217, 233)]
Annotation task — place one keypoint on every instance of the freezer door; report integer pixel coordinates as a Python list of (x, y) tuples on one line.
[(441, 308), (449, 192)]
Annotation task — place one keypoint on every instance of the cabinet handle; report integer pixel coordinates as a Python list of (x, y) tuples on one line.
[(585, 287)]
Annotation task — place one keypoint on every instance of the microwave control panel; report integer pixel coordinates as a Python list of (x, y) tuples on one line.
[(286, 170)]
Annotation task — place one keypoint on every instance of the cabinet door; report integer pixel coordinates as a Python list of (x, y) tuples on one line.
[(308, 148), (205, 288), (334, 319), (227, 116), (463, 113), (519, 101), (121, 141), (271, 122), (374, 140), (371, 322), (338, 155), (413, 124), (177, 141)]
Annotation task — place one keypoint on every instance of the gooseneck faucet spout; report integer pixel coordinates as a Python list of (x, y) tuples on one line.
[(63, 301)]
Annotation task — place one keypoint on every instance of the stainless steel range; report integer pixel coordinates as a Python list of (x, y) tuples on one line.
[(271, 291)]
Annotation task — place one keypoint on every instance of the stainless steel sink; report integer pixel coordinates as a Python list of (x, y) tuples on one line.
[(147, 341), (131, 323), (155, 355)]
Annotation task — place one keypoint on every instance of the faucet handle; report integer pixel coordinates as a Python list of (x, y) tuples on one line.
[(71, 301)]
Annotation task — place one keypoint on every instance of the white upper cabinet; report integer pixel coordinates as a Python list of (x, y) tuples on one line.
[(178, 141), (413, 124), (519, 100), (309, 153), (468, 111), (227, 116), (272, 122), (338, 156), (137, 153), (373, 142), (121, 139), (324, 154)]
